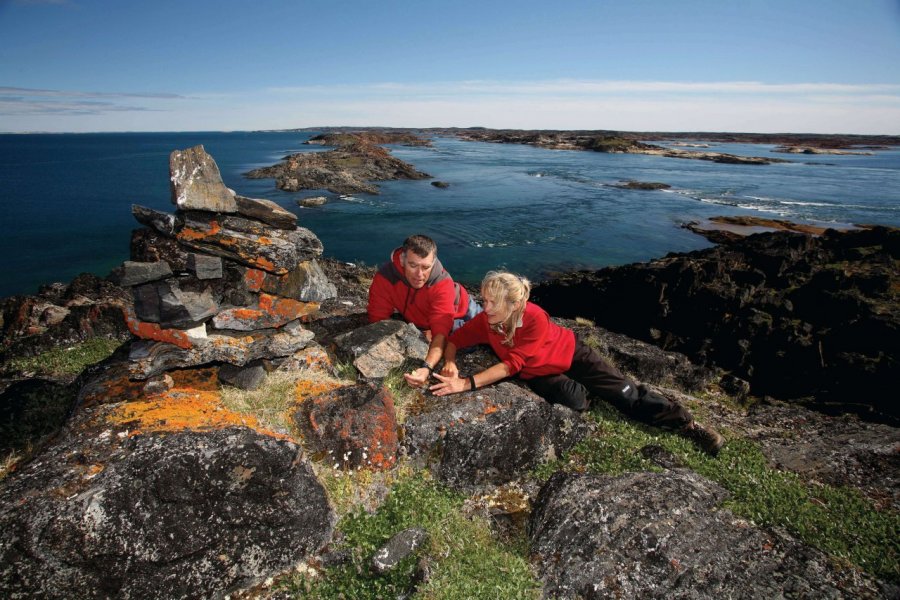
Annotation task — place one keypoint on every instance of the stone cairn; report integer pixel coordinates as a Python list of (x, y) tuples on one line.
[(225, 279)]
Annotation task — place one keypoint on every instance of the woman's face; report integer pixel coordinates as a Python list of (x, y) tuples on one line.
[(497, 310)]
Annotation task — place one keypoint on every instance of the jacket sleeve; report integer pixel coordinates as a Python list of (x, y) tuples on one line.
[(381, 306), (471, 333), (442, 307), (528, 341)]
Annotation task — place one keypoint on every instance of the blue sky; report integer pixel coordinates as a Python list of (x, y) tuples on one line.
[(823, 66)]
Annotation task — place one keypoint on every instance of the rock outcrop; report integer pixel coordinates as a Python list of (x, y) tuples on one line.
[(609, 142), (348, 169), (662, 535), (798, 316)]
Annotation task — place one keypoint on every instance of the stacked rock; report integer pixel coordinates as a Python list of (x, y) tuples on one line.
[(225, 279)]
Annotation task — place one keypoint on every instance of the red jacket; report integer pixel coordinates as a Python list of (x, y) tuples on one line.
[(540, 346), (433, 306)]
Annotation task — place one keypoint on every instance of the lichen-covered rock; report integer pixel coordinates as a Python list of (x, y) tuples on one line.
[(491, 436), (151, 358), (235, 238), (354, 426), (662, 535), (186, 515), (269, 312), (379, 347), (197, 184), (307, 282)]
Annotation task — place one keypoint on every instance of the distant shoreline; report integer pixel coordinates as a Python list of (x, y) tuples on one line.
[(815, 140)]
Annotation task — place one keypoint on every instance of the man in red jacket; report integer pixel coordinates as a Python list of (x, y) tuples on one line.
[(416, 285)]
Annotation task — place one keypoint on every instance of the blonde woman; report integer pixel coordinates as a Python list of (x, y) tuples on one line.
[(554, 362)]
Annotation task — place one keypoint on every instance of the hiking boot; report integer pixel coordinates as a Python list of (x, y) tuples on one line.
[(706, 438)]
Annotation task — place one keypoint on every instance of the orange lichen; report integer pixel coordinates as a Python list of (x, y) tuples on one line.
[(254, 279), (309, 389), (191, 234), (194, 404), (152, 331), (114, 389)]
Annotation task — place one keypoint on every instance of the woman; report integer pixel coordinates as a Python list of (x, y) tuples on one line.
[(553, 362)]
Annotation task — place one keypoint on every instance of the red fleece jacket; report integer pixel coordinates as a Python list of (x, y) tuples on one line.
[(540, 347), (433, 306)]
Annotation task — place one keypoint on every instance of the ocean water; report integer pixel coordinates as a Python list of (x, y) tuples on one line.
[(65, 200)]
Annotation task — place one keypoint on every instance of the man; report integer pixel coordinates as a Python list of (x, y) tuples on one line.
[(415, 284)]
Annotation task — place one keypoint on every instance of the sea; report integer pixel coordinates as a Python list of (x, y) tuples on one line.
[(65, 200)]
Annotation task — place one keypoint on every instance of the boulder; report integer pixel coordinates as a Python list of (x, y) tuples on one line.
[(312, 201), (377, 348), (491, 436), (354, 426), (663, 535), (186, 515), (197, 184)]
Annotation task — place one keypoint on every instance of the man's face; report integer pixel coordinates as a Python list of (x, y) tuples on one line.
[(417, 269)]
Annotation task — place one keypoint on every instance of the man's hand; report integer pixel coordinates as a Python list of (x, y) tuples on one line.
[(450, 369), (449, 385), (417, 378), (428, 336)]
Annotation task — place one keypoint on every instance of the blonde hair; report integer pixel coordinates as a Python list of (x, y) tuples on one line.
[(510, 290)]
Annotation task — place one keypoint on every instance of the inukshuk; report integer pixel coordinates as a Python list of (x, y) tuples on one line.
[(225, 279)]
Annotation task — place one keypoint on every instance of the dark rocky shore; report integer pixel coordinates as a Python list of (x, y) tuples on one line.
[(150, 485)]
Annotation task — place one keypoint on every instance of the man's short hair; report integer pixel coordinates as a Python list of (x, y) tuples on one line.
[(421, 245)]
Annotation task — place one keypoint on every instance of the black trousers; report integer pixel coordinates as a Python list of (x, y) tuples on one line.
[(589, 373)]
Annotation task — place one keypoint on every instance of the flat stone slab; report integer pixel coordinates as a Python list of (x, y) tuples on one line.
[(147, 359), (377, 348)]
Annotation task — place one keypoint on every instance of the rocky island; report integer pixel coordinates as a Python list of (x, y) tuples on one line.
[(252, 437), (358, 160)]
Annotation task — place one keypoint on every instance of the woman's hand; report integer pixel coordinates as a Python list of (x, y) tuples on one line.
[(449, 385), (450, 369), (417, 378)]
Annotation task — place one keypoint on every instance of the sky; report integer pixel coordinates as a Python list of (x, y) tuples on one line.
[(813, 66)]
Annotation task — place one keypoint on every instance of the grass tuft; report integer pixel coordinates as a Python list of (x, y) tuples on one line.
[(64, 361), (463, 560)]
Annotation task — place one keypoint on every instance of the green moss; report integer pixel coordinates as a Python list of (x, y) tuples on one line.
[(60, 362), (464, 560)]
